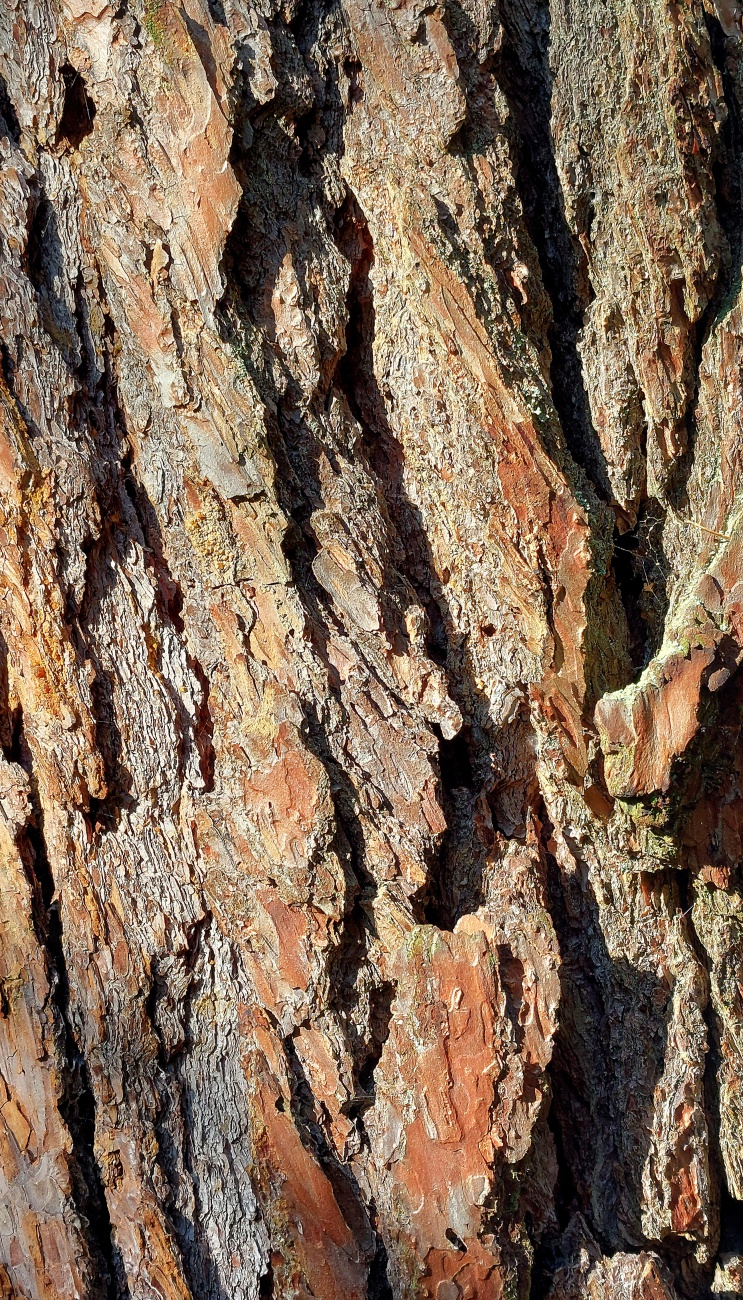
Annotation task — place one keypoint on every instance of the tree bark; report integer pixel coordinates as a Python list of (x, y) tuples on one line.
[(371, 576)]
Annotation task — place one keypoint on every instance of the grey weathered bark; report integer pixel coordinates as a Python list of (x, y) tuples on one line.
[(371, 920)]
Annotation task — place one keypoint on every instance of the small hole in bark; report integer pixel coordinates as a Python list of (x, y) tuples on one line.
[(79, 110), (101, 816), (456, 1241), (455, 763), (354, 72), (455, 881)]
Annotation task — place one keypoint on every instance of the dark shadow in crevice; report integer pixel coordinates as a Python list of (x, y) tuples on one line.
[(455, 763), (76, 1102), (176, 1097), (46, 267), (729, 200), (169, 602), (455, 877), (346, 1191), (731, 1226), (266, 1284), (103, 813), (9, 124), (511, 971), (78, 112), (521, 69), (455, 1241), (549, 1252), (216, 9), (380, 1015), (642, 571), (609, 1056), (253, 257), (726, 168), (466, 764), (379, 1286)]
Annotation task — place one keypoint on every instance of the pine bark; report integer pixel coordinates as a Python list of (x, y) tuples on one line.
[(371, 606)]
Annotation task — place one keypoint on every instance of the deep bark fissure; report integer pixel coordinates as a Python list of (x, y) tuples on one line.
[(346, 1191), (380, 1000), (200, 1268), (641, 571), (586, 1097), (266, 1289), (452, 891), (170, 606), (289, 440), (524, 74), (379, 1286), (8, 116), (729, 208), (77, 1104), (636, 571), (455, 885)]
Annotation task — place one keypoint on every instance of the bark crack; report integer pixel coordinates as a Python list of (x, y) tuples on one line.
[(77, 1104)]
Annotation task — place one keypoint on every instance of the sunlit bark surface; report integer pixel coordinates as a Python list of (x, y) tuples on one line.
[(371, 605)]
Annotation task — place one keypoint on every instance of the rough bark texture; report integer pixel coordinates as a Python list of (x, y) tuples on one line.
[(371, 577)]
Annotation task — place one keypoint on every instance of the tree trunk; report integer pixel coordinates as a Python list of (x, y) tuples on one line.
[(371, 575)]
